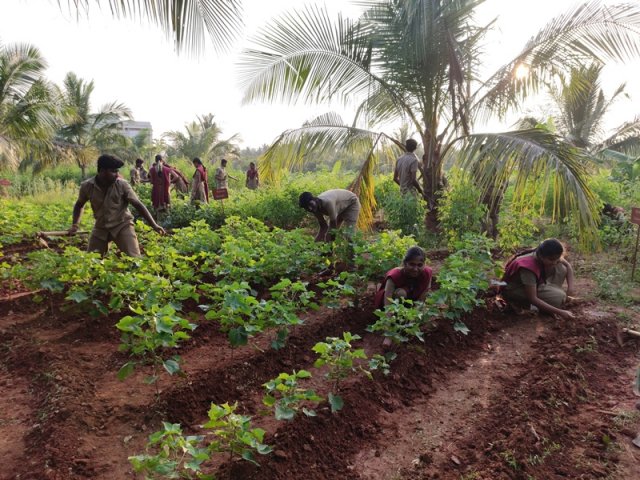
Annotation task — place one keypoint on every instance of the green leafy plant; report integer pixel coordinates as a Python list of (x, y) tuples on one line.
[(235, 308), (286, 396), (177, 456), (174, 455), (232, 433), (341, 359), (382, 362), (281, 310), (612, 284), (400, 321), (146, 334), (374, 259), (460, 210), (462, 277), (346, 284)]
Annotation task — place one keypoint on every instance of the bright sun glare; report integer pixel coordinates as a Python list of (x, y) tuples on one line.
[(522, 71)]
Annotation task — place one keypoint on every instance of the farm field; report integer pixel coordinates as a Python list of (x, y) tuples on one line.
[(319, 240), (517, 397)]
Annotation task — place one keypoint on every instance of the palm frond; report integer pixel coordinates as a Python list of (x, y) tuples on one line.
[(587, 31), (183, 21), (625, 139), (317, 136), (307, 55), (536, 155)]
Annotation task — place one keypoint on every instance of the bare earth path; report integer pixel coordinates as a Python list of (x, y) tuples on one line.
[(518, 398)]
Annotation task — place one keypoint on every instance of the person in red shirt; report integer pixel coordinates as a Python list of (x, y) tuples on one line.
[(411, 281), (535, 278), (160, 178)]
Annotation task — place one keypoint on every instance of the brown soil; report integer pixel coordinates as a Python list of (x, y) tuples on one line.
[(518, 398)]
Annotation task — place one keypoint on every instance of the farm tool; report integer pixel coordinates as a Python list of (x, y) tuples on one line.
[(44, 236), (624, 332)]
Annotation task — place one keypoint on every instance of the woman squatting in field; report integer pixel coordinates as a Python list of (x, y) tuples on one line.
[(411, 281), (535, 278)]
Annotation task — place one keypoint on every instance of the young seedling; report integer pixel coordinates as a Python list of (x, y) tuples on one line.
[(233, 433), (281, 311), (381, 362), (148, 332), (341, 358), (399, 321), (179, 456), (176, 455), (287, 397), (236, 308)]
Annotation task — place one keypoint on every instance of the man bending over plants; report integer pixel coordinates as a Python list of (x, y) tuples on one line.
[(110, 196), (341, 206)]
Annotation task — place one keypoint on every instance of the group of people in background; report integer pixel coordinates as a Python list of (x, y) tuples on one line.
[(162, 176), (533, 279)]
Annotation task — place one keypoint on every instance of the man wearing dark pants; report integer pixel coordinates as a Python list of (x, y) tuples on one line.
[(340, 206), (110, 197), (407, 167)]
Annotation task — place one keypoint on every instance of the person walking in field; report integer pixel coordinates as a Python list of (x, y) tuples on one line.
[(178, 181), (407, 167), (199, 183), (160, 178), (138, 174), (110, 197), (535, 278), (340, 206), (222, 176), (252, 182), (411, 281)]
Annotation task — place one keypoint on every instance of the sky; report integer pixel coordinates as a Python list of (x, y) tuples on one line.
[(135, 64)]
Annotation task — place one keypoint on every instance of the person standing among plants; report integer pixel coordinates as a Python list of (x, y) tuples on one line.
[(138, 174), (222, 176), (252, 182), (407, 167), (411, 281), (110, 197), (160, 178), (535, 278), (341, 206), (199, 184)]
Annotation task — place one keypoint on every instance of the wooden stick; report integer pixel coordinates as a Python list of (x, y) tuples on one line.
[(60, 233), (635, 333)]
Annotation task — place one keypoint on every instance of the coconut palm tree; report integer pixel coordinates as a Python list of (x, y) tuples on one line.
[(201, 139), (419, 61), (184, 21), (27, 109), (82, 133), (580, 110)]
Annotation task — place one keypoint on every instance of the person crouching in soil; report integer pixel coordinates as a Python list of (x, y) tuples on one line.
[(535, 278), (411, 281), (110, 197), (340, 206)]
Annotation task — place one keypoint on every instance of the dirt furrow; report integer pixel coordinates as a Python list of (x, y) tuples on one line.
[(426, 430), (558, 415)]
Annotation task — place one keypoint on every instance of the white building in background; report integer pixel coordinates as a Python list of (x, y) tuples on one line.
[(132, 128)]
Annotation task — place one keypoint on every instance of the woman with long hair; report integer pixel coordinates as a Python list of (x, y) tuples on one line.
[(535, 278), (199, 184)]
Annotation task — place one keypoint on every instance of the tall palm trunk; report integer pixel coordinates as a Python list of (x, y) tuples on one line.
[(432, 180)]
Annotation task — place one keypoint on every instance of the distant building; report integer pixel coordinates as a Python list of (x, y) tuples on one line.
[(132, 128)]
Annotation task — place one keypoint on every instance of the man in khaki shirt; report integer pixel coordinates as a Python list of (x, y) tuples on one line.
[(110, 197), (407, 167), (341, 206)]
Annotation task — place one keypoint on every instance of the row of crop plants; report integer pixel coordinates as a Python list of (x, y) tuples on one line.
[(250, 279)]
